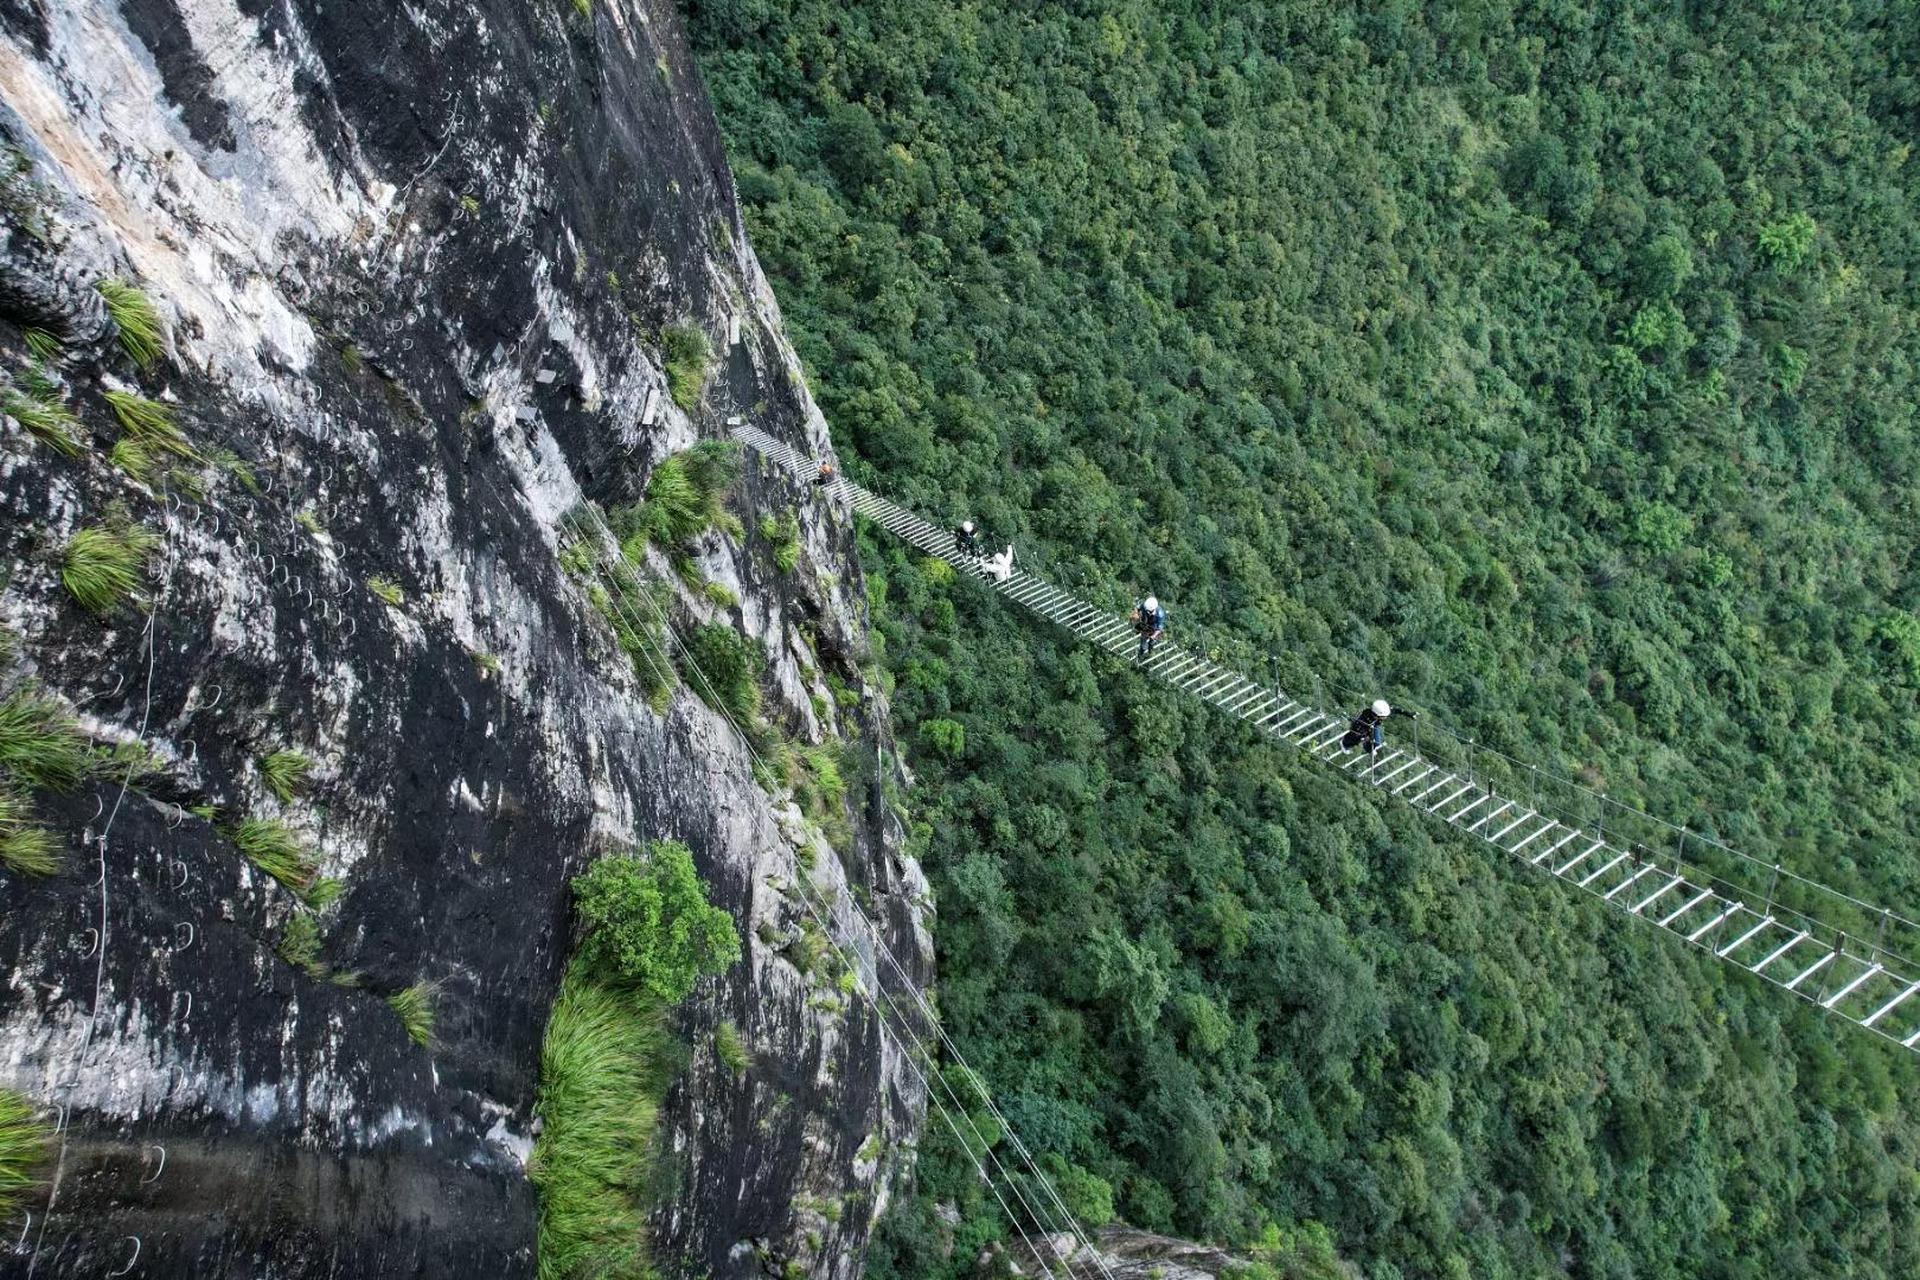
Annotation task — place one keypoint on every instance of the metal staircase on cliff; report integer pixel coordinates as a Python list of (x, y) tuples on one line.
[(1829, 964)]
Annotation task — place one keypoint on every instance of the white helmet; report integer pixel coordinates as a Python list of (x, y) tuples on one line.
[(966, 526), (1382, 708), (1151, 605)]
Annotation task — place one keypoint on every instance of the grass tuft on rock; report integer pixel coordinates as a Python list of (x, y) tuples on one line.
[(136, 320), (26, 1147), (730, 1048), (272, 846), (604, 1067), (106, 564), (723, 667), (149, 423), (26, 848), (783, 532), (46, 419), (44, 343), (41, 743), (414, 1007), (629, 608), (387, 591), (285, 772), (686, 497), (687, 355), (300, 944), (133, 459)]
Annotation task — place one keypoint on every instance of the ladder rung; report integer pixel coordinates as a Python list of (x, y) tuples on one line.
[(1812, 969), (1414, 781), (1703, 896), (1535, 836), (1735, 945), (1629, 882), (1554, 848), (1280, 708), (1655, 896), (1495, 837), (1851, 987), (1022, 589), (1430, 790), (1441, 804), (1300, 734), (1206, 682), (1323, 735), (1714, 923), (1458, 814), (1236, 693), (1332, 747), (1890, 1005), (1174, 666), (1485, 818), (1196, 678), (1781, 950), (1595, 875), (1374, 766), (1412, 762), (1299, 717), (1237, 708)]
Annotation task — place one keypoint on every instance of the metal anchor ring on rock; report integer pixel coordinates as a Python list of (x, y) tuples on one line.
[(180, 873), (114, 1275), (154, 1177), (178, 925), (187, 1012), (92, 946)]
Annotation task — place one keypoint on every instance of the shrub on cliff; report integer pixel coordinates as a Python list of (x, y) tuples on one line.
[(606, 1060), (648, 921)]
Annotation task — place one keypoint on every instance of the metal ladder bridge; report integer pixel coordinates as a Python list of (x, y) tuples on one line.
[(1844, 976)]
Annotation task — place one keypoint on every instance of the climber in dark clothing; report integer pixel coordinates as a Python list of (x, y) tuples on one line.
[(966, 541), (825, 475), (1150, 620), (1366, 731)]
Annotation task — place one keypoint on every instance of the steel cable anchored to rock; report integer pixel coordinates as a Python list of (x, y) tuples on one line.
[(1826, 947)]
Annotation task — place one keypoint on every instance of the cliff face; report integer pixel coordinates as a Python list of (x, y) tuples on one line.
[(413, 261)]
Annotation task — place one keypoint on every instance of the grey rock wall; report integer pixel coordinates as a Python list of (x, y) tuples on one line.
[(413, 260)]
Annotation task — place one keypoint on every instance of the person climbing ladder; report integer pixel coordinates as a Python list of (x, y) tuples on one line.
[(966, 541), (1367, 730), (1150, 621)]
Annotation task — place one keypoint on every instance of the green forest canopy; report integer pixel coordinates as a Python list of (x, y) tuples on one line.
[(1546, 366)]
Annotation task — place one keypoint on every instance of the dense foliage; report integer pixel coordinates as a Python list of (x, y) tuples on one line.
[(1547, 366), (647, 921)]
